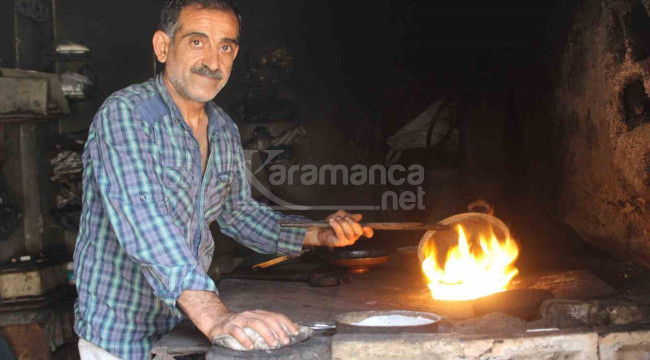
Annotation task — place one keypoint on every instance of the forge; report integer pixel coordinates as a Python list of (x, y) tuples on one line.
[(585, 319), (458, 295)]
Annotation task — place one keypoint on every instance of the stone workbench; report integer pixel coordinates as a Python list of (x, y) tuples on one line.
[(384, 288)]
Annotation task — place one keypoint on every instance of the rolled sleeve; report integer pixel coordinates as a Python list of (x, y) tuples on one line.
[(133, 196), (180, 278)]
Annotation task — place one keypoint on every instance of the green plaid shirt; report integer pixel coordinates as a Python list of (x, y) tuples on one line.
[(144, 235)]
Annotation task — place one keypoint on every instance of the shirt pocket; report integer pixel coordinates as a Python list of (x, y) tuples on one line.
[(217, 192), (181, 186)]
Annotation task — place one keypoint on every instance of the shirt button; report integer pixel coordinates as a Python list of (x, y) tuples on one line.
[(143, 198)]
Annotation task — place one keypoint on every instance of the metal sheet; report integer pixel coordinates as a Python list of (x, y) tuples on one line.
[(23, 95), (54, 85)]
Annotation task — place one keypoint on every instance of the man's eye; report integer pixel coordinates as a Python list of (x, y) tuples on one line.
[(196, 42), (226, 48)]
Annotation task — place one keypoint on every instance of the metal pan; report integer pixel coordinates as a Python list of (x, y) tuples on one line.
[(346, 322), (357, 261)]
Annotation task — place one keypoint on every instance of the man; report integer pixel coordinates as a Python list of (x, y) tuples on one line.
[(161, 163)]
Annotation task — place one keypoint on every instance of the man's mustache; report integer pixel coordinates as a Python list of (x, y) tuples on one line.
[(205, 71)]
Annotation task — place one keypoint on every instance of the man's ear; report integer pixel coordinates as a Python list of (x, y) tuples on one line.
[(161, 44)]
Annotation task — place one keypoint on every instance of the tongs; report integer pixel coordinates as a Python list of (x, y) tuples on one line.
[(325, 224), (373, 225)]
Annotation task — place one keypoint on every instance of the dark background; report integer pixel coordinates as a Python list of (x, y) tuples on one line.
[(347, 52), (384, 60)]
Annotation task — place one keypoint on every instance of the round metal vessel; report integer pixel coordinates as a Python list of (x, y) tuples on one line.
[(444, 239), (345, 323), (358, 261)]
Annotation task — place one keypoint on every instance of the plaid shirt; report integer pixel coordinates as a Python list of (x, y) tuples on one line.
[(144, 236)]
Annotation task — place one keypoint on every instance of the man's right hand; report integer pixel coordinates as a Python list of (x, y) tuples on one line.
[(212, 318), (265, 323)]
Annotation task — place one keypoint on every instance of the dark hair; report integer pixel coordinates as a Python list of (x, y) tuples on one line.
[(172, 10)]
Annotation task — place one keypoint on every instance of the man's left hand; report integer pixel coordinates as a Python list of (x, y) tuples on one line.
[(344, 230)]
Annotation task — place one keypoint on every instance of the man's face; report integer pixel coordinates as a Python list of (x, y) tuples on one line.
[(202, 52)]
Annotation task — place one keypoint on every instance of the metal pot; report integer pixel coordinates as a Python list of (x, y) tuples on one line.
[(445, 239)]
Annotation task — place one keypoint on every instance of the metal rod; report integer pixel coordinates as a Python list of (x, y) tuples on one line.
[(373, 225), (277, 260)]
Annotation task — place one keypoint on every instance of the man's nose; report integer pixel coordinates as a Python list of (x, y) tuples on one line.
[(211, 60)]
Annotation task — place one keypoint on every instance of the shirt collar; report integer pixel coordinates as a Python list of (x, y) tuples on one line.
[(210, 108)]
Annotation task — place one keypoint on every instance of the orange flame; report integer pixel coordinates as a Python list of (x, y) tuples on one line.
[(468, 274)]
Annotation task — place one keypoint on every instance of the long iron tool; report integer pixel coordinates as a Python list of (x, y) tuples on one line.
[(373, 225)]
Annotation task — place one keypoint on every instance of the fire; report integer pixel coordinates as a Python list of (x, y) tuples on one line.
[(468, 272)]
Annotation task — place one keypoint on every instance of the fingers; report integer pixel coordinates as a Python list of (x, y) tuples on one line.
[(290, 325), (342, 233), (263, 328), (343, 214), (347, 228), (270, 326), (338, 214), (239, 334), (368, 232), (278, 323), (352, 229), (338, 230), (278, 332)]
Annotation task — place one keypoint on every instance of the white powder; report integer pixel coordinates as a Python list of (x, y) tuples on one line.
[(394, 320)]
